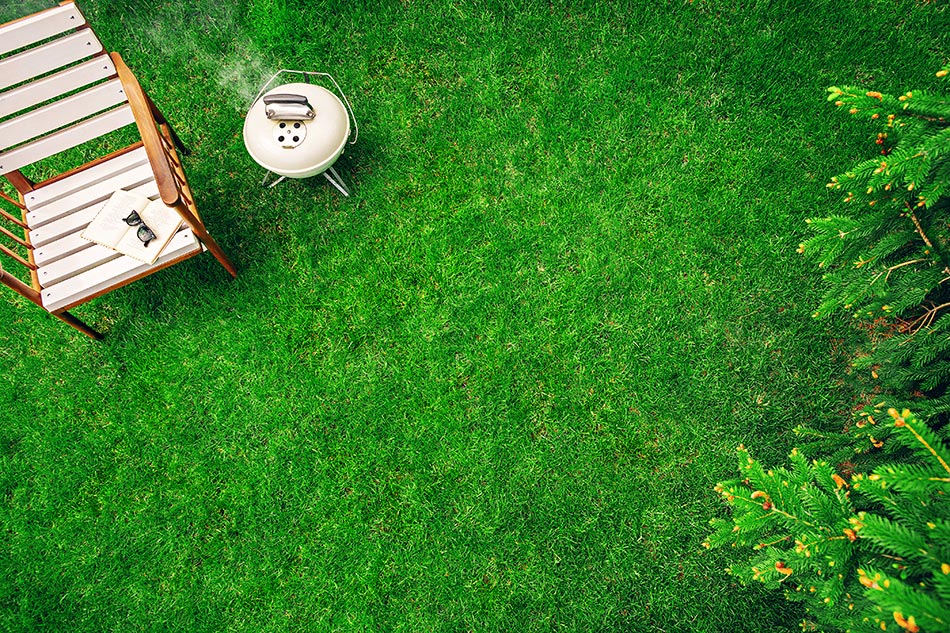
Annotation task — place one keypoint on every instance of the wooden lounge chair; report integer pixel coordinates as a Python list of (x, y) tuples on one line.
[(60, 89)]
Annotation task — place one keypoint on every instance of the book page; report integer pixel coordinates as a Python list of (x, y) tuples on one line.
[(108, 227), (164, 223)]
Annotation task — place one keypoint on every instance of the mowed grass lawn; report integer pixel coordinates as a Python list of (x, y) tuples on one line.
[(492, 390)]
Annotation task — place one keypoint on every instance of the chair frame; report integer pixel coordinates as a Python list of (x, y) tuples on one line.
[(159, 141)]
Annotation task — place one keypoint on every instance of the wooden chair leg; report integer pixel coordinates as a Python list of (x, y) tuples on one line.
[(197, 226), (33, 295), (209, 242), (79, 325), (219, 254)]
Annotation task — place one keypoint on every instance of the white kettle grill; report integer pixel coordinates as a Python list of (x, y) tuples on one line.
[(299, 130)]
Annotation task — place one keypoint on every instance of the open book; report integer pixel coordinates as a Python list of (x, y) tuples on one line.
[(134, 225)]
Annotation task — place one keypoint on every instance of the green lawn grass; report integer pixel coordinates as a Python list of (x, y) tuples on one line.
[(493, 389)]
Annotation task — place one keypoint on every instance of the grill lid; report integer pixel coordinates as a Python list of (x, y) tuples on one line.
[(296, 130)]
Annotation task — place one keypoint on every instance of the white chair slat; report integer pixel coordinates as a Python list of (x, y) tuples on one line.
[(65, 139), (75, 264), (73, 223), (39, 26), (42, 90), (54, 116), (92, 194), (112, 274), (78, 262), (77, 220), (63, 247), (48, 57), (78, 181)]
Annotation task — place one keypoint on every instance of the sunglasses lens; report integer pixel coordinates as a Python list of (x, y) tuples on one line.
[(132, 219), (145, 234)]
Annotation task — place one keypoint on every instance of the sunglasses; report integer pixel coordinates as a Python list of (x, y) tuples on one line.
[(144, 233)]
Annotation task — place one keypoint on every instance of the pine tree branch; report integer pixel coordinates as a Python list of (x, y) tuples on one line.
[(791, 517), (923, 236), (920, 229), (924, 117), (889, 270), (926, 319), (896, 266), (920, 438), (775, 542)]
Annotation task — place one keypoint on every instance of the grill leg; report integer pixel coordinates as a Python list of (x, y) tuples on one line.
[(336, 181), (267, 175)]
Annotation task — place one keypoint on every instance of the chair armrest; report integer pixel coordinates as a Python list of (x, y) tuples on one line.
[(148, 130)]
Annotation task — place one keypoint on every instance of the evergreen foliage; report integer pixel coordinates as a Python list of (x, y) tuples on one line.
[(870, 551), (865, 554), (888, 253)]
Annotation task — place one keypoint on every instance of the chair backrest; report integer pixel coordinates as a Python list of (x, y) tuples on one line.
[(58, 87)]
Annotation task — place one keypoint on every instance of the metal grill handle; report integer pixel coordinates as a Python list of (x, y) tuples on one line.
[(307, 74), (288, 107)]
